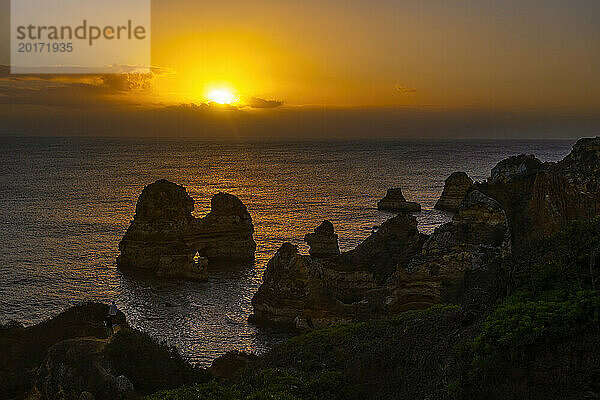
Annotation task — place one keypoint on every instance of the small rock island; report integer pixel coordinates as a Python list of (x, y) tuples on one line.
[(164, 236), (394, 201)]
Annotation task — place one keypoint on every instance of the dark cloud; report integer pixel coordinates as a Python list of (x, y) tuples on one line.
[(257, 102), (405, 90), (76, 90), (125, 80)]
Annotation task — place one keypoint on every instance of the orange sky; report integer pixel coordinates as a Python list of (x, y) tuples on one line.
[(515, 54), (493, 59)]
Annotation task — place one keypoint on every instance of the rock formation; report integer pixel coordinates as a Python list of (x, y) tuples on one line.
[(42, 359), (398, 269), (457, 262), (540, 199), (582, 166), (323, 242), (310, 292), (394, 201), (71, 357), (165, 238), (77, 368), (456, 187), (393, 270), (515, 165)]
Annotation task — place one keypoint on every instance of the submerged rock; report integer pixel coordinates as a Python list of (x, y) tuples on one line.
[(394, 201), (456, 187), (323, 242), (165, 238)]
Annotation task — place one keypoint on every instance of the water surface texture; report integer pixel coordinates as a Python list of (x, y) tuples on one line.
[(65, 204)]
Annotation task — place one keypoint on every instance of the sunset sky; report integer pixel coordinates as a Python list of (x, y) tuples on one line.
[(506, 65)]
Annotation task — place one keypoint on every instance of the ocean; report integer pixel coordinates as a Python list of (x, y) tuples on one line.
[(65, 204)]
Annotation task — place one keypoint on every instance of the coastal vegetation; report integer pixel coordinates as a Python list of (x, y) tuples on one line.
[(536, 341)]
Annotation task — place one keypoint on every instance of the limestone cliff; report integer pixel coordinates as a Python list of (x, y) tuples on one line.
[(582, 166), (311, 292), (456, 187), (41, 361), (72, 357), (393, 270), (458, 261), (540, 199), (397, 269), (77, 369), (165, 238)]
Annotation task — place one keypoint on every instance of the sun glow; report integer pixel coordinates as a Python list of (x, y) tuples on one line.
[(221, 96)]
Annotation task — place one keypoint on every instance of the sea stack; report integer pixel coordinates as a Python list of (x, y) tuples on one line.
[(323, 242), (456, 188), (165, 238), (394, 201)]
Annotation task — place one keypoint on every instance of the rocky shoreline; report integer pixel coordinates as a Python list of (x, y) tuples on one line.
[(500, 302), (398, 269)]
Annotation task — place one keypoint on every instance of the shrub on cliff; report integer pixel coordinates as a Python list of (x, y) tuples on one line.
[(267, 384), (388, 358), (151, 366), (207, 391), (522, 323), (543, 339), (569, 257)]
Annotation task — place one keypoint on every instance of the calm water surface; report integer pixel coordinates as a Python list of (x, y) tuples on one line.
[(65, 204)]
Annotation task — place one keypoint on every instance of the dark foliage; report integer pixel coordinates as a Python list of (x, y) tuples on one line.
[(149, 365), (543, 340), (23, 349)]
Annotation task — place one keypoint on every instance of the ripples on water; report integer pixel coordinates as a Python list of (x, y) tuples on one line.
[(66, 203)]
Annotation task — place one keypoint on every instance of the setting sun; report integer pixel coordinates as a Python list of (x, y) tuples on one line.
[(221, 96)]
